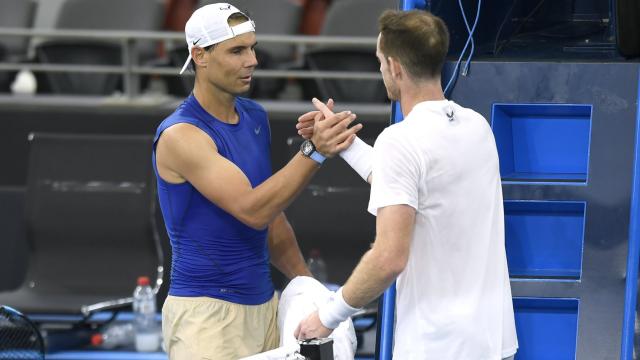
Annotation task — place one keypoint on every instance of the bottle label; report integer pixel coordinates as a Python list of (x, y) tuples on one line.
[(146, 307)]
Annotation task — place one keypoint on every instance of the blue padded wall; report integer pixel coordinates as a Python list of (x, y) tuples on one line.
[(544, 239), (534, 316), (542, 142), (566, 137)]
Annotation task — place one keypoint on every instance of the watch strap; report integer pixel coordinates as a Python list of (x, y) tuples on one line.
[(319, 158)]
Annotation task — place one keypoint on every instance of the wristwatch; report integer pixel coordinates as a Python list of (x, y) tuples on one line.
[(309, 150)]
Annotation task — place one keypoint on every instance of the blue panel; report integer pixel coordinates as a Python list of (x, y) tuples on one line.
[(414, 4), (384, 334), (631, 286), (98, 317), (547, 328), (544, 238), (542, 142)]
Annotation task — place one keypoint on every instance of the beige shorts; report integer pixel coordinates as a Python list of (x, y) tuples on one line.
[(207, 328)]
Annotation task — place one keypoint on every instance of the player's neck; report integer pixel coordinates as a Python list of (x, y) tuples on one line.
[(216, 102), (412, 94)]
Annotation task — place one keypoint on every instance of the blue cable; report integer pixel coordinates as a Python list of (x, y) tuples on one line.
[(471, 31), (464, 50), (473, 43)]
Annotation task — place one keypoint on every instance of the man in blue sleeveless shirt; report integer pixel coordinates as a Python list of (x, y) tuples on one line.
[(222, 206)]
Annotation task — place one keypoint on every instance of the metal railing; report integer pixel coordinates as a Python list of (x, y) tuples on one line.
[(131, 68)]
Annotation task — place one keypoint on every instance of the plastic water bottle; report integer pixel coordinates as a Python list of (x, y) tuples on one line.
[(317, 266), (113, 336), (147, 336)]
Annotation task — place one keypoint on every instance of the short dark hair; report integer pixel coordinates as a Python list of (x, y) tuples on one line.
[(234, 18), (418, 39)]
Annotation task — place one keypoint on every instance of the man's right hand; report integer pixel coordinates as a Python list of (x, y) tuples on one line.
[(333, 134)]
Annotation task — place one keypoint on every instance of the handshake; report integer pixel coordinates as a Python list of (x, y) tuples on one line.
[(330, 133)]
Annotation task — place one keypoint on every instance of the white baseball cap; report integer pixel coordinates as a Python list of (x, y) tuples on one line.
[(208, 25)]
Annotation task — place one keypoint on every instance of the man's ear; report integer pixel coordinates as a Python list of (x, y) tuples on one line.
[(396, 69), (198, 56)]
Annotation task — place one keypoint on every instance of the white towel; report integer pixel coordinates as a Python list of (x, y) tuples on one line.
[(302, 296)]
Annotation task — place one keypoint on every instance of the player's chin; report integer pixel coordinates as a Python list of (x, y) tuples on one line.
[(241, 90), (244, 86)]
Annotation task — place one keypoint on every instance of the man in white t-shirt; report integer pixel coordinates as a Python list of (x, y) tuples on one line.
[(437, 195)]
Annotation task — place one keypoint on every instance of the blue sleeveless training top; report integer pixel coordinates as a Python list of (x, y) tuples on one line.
[(214, 254)]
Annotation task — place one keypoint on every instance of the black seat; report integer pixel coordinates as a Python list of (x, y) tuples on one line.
[(339, 22), (80, 54), (137, 15), (90, 220), (344, 90)]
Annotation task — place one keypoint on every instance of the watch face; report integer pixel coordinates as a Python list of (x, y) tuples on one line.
[(307, 148)]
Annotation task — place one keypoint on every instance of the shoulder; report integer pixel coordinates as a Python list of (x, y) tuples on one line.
[(471, 114), (182, 149), (183, 114), (400, 145), (393, 135), (184, 131), (185, 138), (179, 116)]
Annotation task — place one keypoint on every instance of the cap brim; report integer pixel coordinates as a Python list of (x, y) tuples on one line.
[(186, 63)]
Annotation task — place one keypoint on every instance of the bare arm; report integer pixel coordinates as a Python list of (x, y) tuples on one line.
[(388, 257), (283, 249), (377, 269), (186, 153)]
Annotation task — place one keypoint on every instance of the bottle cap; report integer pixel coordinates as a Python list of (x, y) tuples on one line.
[(143, 281), (97, 339)]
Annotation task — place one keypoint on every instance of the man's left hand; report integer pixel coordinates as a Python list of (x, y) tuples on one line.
[(311, 328)]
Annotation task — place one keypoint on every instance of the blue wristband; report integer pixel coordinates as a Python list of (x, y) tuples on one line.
[(319, 158)]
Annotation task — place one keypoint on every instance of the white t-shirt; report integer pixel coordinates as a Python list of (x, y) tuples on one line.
[(453, 299)]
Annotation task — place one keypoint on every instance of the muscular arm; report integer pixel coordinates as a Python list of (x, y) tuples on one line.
[(388, 257), (283, 248), (377, 268), (186, 153)]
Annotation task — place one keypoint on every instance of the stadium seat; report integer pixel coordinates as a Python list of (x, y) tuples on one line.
[(329, 59), (90, 220), (80, 54), (339, 22), (136, 15)]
